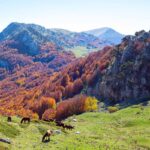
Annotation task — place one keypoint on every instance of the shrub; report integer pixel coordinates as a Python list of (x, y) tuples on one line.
[(91, 104), (112, 109)]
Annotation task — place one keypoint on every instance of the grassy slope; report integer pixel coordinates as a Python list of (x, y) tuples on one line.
[(80, 51), (123, 130)]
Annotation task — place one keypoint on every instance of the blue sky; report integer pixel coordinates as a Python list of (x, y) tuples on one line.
[(126, 16)]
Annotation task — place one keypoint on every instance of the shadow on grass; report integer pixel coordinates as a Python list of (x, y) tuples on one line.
[(42, 129), (24, 125), (46, 141)]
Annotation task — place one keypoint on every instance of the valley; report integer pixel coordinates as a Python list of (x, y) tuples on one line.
[(56, 74)]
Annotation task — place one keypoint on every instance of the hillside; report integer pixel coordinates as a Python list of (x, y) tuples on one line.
[(49, 59), (126, 129), (109, 35), (25, 44), (29, 37), (114, 75)]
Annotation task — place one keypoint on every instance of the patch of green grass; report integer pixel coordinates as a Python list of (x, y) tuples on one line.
[(9, 130), (123, 130), (2, 147), (80, 51)]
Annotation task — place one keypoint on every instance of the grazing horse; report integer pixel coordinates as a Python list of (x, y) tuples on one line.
[(49, 120), (9, 119), (46, 136), (60, 124), (25, 119), (69, 127)]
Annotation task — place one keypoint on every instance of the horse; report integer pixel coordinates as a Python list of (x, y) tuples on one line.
[(60, 124), (49, 120), (46, 136), (9, 119), (69, 127), (25, 119)]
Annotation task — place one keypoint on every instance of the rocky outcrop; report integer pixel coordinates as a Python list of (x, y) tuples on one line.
[(128, 76)]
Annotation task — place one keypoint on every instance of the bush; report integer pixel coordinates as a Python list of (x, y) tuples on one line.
[(112, 109), (91, 104)]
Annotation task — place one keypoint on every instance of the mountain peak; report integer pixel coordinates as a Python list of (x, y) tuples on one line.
[(107, 34)]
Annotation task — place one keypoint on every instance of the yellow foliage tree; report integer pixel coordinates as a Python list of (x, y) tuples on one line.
[(91, 104)]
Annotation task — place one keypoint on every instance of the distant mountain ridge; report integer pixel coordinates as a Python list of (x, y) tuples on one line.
[(31, 36), (25, 44), (107, 34)]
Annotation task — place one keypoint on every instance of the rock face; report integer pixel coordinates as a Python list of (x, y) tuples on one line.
[(128, 76)]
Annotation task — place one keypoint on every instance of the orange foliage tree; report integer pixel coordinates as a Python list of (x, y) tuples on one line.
[(44, 104), (49, 114)]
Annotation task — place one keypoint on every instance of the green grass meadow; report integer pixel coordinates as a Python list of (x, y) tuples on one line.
[(127, 129)]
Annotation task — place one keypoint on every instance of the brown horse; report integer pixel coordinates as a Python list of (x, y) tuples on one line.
[(25, 119), (9, 119), (46, 136)]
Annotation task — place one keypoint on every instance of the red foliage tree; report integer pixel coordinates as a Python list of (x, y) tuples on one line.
[(71, 106), (78, 86), (65, 80), (69, 90)]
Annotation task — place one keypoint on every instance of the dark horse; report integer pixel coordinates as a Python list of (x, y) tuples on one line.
[(46, 136), (69, 127), (60, 124), (25, 119), (9, 119)]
